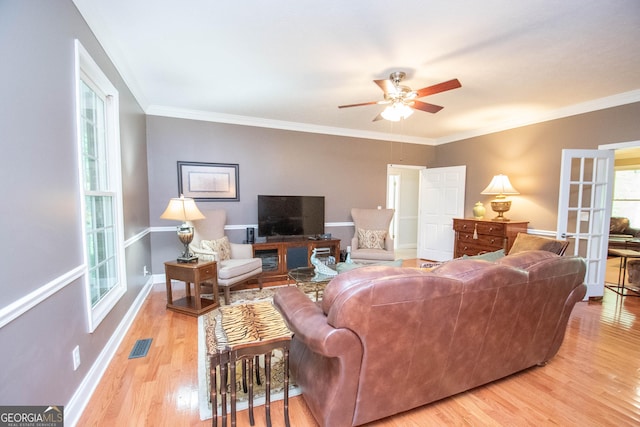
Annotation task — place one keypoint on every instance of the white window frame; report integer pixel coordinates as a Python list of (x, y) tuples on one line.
[(88, 71), (635, 219)]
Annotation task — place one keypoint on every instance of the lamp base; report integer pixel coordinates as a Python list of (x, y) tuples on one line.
[(185, 234), (500, 205), (187, 259)]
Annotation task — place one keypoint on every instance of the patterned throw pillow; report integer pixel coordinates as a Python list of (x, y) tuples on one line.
[(371, 239), (221, 246)]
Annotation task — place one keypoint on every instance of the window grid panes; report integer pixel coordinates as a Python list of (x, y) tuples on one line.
[(100, 224), (626, 196)]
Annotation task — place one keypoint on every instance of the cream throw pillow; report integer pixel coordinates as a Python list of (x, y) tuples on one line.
[(371, 239), (221, 246)]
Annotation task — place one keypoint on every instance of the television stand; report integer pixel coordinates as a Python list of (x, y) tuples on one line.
[(289, 252)]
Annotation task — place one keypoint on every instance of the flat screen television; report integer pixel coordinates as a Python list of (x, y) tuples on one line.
[(290, 215)]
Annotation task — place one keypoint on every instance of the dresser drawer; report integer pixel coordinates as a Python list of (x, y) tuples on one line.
[(494, 229), (464, 225), (468, 226), (486, 240), (469, 249), (209, 272)]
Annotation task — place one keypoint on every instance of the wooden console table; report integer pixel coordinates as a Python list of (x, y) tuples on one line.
[(474, 236), (278, 257), (196, 273)]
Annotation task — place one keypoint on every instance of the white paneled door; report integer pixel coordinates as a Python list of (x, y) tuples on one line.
[(441, 198), (584, 208)]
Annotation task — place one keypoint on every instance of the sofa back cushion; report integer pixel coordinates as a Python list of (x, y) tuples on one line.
[(618, 225), (529, 242)]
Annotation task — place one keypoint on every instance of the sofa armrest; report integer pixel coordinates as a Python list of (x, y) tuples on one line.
[(354, 242), (241, 250), (309, 324), (388, 243), (633, 231)]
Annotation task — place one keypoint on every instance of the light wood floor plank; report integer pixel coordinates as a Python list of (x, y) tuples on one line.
[(594, 380)]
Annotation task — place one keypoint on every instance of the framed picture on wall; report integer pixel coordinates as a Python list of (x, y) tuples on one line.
[(209, 181)]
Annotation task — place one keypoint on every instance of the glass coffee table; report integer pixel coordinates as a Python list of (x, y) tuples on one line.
[(309, 281)]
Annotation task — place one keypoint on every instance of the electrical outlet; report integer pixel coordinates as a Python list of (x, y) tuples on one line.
[(76, 358), (145, 272)]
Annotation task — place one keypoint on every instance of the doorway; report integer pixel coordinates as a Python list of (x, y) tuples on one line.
[(402, 196)]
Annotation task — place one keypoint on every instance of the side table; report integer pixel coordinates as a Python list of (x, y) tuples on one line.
[(248, 331), (196, 273), (624, 255)]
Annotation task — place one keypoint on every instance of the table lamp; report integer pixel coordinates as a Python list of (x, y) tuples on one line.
[(500, 186), (183, 209)]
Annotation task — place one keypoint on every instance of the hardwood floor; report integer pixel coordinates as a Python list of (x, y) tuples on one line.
[(594, 380)]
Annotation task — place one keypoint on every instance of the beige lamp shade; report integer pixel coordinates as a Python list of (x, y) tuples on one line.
[(500, 186), (182, 209)]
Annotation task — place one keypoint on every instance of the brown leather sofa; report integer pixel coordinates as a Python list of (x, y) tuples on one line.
[(622, 235), (385, 339)]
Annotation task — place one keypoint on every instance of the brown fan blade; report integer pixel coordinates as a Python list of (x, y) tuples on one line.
[(386, 85), (440, 87), (358, 105), (423, 106), (378, 117)]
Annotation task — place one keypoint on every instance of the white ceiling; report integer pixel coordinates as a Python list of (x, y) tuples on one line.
[(289, 63)]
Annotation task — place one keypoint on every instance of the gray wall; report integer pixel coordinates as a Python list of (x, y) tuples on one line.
[(40, 212), (531, 157), (349, 172)]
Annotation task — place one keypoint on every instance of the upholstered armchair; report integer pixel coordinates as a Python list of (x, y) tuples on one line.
[(236, 263), (371, 242)]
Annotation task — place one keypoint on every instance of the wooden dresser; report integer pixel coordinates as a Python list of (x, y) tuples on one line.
[(475, 236)]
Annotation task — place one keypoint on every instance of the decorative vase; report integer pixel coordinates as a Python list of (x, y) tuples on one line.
[(348, 258), (479, 210)]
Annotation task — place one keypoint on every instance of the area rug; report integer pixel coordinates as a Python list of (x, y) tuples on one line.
[(206, 331)]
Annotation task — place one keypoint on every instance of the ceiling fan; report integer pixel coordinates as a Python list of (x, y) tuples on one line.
[(401, 100)]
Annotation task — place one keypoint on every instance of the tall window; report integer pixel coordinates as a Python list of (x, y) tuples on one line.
[(626, 196), (101, 190)]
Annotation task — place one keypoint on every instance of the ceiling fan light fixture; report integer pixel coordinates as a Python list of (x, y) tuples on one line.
[(397, 111)]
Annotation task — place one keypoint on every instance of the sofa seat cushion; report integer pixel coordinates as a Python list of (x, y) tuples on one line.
[(231, 268), (372, 255)]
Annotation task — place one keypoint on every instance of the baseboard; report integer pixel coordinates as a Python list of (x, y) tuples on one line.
[(73, 410)]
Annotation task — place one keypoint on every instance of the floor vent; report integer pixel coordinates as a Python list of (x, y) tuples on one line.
[(140, 348)]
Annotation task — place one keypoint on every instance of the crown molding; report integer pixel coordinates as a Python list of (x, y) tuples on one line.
[(165, 111), (572, 110)]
